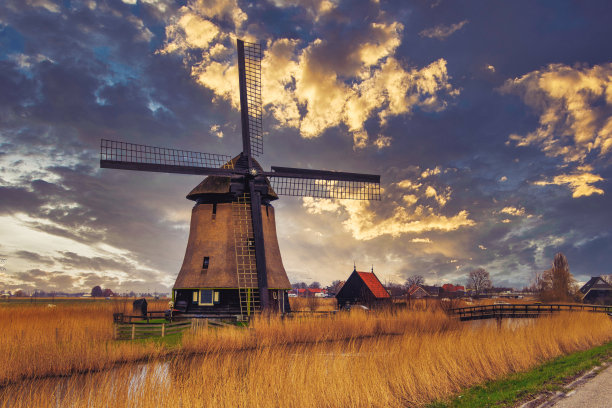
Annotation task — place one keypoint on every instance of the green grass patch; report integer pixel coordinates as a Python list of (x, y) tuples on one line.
[(517, 387)]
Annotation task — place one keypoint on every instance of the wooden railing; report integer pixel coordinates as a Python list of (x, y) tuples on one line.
[(521, 310), (126, 331)]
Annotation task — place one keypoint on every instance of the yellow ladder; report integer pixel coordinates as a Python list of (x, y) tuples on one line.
[(246, 267)]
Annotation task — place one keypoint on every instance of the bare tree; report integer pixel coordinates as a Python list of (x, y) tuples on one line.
[(479, 280), (414, 280), (557, 283), (315, 285)]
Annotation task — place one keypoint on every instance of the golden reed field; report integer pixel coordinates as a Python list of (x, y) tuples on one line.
[(387, 359)]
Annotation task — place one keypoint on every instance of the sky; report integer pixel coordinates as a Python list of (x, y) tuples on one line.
[(489, 122)]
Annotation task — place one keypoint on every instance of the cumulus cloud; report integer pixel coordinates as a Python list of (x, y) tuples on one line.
[(415, 213), (315, 85), (441, 32), (580, 182), (216, 130), (513, 211), (575, 124), (575, 108), (364, 224)]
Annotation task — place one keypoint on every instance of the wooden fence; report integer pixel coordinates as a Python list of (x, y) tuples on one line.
[(520, 311), (126, 331)]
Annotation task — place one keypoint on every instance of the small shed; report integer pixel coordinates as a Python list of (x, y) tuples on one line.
[(597, 291), (140, 306), (363, 288)]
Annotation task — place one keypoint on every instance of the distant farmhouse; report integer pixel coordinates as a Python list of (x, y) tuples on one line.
[(597, 291), (423, 291), (452, 291), (363, 288)]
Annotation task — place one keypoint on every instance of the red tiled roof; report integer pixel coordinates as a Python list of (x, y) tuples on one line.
[(314, 290), (449, 287), (374, 284)]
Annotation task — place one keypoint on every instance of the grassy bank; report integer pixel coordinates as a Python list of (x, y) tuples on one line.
[(550, 376)]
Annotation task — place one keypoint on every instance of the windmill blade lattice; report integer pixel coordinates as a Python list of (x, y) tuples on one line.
[(252, 76), (130, 156), (341, 189)]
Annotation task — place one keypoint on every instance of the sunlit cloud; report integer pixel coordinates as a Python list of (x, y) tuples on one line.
[(575, 108), (317, 85), (421, 240), (580, 182), (216, 130), (513, 211), (414, 213)]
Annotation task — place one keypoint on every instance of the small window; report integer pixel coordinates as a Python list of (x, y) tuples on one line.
[(267, 214), (251, 243), (206, 262), (216, 296), (206, 297), (195, 296), (214, 212)]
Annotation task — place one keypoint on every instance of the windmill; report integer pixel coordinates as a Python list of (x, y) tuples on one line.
[(232, 263)]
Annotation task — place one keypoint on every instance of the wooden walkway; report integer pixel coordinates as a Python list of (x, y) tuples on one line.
[(521, 311)]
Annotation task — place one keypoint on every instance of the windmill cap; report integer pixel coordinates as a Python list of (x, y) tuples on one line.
[(221, 185)]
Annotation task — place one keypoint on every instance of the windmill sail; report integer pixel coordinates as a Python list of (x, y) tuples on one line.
[(249, 75), (130, 156), (324, 184)]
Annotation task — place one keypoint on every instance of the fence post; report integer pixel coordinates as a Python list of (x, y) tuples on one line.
[(163, 329), (133, 331)]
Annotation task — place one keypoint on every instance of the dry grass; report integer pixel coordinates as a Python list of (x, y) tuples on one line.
[(269, 332), (424, 363), (313, 304), (37, 340)]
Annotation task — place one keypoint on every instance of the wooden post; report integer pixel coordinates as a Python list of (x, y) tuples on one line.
[(133, 331), (163, 329)]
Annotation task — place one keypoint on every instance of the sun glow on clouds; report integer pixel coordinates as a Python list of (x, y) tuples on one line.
[(580, 182), (575, 108), (416, 214), (317, 85)]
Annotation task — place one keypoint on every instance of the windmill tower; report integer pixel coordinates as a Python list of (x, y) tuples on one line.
[(232, 263)]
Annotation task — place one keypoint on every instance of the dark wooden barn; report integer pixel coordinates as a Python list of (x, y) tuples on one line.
[(363, 288), (597, 291)]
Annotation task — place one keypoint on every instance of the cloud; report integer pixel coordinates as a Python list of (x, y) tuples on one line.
[(410, 214), (580, 182), (441, 32), (318, 84), (513, 211), (216, 130), (430, 172), (575, 108), (421, 240), (34, 257), (484, 248)]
